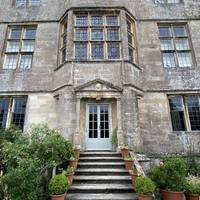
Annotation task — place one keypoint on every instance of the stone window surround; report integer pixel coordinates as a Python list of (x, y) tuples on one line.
[(23, 27), (12, 105), (123, 14), (105, 27), (186, 114), (186, 25)]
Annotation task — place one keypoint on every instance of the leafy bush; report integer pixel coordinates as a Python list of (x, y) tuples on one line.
[(171, 175), (7, 135), (192, 185), (192, 166), (144, 186), (28, 158), (58, 185)]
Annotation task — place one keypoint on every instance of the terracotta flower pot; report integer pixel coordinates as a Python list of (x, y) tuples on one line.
[(58, 197), (129, 164), (77, 153), (134, 177), (73, 163), (169, 195), (191, 196), (70, 178), (124, 152), (145, 197)]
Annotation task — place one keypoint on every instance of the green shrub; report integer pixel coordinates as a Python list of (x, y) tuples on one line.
[(28, 158), (171, 175), (58, 185), (192, 185), (192, 166), (144, 186)]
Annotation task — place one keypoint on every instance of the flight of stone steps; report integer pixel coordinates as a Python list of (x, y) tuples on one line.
[(101, 175)]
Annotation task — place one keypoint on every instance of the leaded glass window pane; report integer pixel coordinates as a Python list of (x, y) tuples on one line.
[(129, 26), (81, 34), (185, 59), (63, 55), (81, 51), (30, 34), (169, 60), (194, 112), (4, 104), (15, 33), (113, 34), (81, 20), (179, 31), (28, 46), (25, 61), (182, 44), (20, 3), (11, 62), (97, 51), (177, 113), (19, 112), (113, 51), (34, 2), (13, 46), (164, 32), (131, 54), (166, 44), (112, 20), (97, 34), (97, 20), (173, 1)]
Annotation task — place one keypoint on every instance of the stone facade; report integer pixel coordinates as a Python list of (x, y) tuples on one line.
[(138, 93)]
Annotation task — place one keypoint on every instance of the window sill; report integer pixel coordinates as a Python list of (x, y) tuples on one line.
[(15, 70), (179, 68), (186, 132), (97, 61)]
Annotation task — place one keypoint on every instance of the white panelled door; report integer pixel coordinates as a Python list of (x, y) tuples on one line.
[(99, 127)]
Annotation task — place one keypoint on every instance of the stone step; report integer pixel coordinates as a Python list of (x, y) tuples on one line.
[(101, 171), (102, 179), (101, 188), (100, 154), (100, 159), (101, 165), (101, 196)]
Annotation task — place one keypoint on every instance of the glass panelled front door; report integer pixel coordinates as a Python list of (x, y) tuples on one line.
[(99, 127)]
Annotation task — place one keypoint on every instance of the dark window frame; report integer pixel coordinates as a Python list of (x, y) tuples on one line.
[(189, 125), (16, 111)]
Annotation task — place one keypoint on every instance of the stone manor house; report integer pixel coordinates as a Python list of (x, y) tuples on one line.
[(95, 69)]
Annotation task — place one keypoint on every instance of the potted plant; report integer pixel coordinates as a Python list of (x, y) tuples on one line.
[(170, 178), (58, 186), (145, 188), (192, 188), (77, 151), (73, 162), (134, 175), (124, 151), (129, 161), (69, 173)]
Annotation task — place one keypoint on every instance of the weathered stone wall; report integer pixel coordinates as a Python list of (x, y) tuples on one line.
[(148, 123), (156, 129), (41, 108)]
